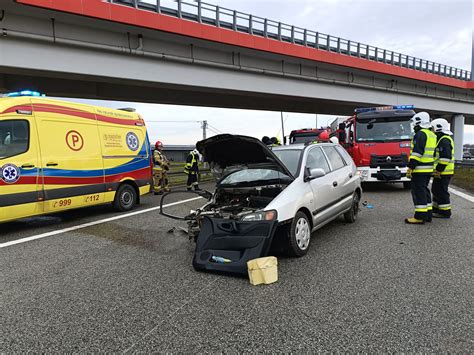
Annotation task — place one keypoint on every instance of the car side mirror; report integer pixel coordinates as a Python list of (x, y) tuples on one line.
[(312, 174)]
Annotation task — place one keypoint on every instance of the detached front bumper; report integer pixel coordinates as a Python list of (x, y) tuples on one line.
[(368, 174)]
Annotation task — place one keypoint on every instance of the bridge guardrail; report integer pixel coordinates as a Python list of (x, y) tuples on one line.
[(202, 12)]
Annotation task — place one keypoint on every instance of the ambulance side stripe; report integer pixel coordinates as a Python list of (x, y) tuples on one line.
[(63, 110), (74, 180), (137, 164)]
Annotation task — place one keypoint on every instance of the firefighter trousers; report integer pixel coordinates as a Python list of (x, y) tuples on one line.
[(441, 197), (160, 180), (192, 181), (421, 196)]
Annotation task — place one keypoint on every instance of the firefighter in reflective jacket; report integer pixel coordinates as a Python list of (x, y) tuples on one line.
[(443, 168), (420, 168), (160, 168), (192, 170)]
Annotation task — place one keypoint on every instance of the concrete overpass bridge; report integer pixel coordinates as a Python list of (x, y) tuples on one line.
[(192, 53)]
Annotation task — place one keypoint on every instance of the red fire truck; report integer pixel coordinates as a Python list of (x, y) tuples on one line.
[(305, 135), (378, 139)]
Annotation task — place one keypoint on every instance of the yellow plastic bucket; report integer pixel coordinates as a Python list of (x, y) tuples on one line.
[(263, 270)]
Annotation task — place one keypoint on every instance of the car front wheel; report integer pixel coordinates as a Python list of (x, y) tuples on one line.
[(351, 215), (299, 235)]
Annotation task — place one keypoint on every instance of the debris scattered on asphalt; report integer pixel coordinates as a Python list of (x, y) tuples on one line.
[(263, 270), (368, 205), (178, 229)]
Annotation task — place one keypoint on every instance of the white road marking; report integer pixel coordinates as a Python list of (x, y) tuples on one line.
[(85, 225), (461, 194)]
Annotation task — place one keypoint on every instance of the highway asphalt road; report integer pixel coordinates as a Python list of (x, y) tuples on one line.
[(128, 286)]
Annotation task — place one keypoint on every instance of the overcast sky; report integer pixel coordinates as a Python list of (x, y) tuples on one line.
[(436, 30)]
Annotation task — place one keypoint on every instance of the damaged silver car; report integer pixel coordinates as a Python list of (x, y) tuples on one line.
[(260, 194)]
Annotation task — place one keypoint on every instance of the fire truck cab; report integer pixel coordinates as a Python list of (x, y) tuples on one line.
[(378, 139), (305, 135)]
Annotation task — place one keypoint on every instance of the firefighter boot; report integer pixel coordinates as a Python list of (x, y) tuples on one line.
[(439, 215), (413, 220)]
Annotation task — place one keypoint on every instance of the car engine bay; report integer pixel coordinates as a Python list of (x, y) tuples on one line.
[(233, 203)]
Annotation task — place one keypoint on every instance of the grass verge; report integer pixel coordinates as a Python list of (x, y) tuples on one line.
[(464, 178)]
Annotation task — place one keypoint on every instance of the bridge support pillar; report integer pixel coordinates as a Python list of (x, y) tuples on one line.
[(458, 130)]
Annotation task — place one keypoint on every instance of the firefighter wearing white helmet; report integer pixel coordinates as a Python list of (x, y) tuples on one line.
[(420, 168), (443, 168), (191, 168)]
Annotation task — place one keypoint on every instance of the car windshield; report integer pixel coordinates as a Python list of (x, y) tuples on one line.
[(382, 130), (291, 159), (252, 176)]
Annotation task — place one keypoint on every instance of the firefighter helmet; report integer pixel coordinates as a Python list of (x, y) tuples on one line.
[(421, 119), (158, 145), (441, 125)]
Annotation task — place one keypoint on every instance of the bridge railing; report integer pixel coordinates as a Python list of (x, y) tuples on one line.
[(202, 12)]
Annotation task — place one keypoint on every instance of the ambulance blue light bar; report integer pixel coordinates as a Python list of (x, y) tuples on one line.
[(384, 108), (23, 93)]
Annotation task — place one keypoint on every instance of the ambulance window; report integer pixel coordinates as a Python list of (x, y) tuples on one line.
[(14, 138)]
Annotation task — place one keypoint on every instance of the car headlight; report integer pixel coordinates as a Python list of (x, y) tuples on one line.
[(260, 216)]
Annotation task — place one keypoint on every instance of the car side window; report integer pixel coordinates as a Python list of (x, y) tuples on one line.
[(14, 138), (317, 160), (334, 158), (342, 152)]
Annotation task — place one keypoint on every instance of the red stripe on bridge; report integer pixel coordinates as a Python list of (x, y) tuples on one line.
[(100, 9)]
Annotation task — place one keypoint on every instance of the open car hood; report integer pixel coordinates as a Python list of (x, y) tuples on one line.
[(226, 153)]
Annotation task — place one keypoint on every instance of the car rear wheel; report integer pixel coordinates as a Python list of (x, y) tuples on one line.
[(125, 198), (299, 235), (407, 185), (351, 215)]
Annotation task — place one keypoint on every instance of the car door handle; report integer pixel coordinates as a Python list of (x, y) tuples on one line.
[(51, 164), (334, 183), (27, 166)]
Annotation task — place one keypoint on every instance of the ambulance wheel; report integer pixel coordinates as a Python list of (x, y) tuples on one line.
[(125, 198), (299, 235)]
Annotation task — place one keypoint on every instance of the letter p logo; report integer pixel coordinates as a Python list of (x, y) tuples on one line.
[(74, 140)]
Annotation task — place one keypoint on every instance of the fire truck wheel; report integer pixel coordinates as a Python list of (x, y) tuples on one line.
[(351, 215), (407, 185), (125, 198)]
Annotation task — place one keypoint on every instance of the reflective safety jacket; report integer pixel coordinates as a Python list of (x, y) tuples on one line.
[(423, 147), (160, 160), (191, 167), (444, 155)]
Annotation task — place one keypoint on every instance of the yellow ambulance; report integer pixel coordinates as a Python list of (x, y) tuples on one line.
[(57, 155)]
